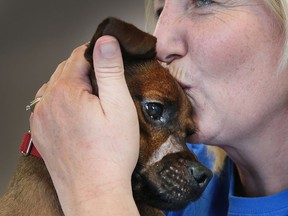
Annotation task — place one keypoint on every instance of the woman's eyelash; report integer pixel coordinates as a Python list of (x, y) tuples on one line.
[(197, 3), (158, 12), (201, 3)]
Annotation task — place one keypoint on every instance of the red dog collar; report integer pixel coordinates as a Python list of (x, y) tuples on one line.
[(27, 147)]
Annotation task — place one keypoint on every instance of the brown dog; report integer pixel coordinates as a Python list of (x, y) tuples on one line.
[(167, 176)]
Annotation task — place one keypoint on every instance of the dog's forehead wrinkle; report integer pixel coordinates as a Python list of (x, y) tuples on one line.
[(168, 147)]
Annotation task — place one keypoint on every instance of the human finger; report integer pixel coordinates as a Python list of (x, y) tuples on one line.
[(55, 76), (109, 72), (76, 65)]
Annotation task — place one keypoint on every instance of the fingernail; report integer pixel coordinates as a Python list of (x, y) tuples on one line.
[(108, 49)]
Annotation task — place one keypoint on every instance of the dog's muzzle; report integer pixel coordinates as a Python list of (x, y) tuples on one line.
[(171, 183)]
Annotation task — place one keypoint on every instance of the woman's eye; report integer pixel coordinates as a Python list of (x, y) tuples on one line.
[(201, 3), (154, 110), (196, 3)]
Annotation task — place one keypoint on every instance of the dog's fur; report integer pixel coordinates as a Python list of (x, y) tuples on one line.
[(167, 176)]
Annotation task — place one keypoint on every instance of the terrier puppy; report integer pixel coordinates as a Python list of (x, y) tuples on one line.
[(167, 176)]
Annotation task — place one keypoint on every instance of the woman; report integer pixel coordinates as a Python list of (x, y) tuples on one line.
[(230, 58)]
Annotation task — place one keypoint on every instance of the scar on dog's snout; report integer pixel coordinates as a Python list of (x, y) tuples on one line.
[(166, 148)]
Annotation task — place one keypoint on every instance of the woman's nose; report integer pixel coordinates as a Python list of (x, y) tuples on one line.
[(171, 43)]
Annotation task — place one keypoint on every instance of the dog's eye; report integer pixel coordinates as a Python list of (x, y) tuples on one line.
[(154, 110)]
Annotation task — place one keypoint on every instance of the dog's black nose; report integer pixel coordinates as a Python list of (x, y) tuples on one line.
[(201, 175)]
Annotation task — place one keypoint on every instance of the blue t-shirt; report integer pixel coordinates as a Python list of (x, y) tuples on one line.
[(218, 198)]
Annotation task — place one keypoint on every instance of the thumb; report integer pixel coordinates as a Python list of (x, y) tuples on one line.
[(109, 72)]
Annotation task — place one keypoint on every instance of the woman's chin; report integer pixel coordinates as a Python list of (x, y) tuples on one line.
[(194, 139), (201, 138)]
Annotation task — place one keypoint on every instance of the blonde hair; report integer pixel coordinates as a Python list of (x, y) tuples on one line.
[(280, 7), (150, 16)]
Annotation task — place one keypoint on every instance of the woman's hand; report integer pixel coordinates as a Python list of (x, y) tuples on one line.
[(89, 144)]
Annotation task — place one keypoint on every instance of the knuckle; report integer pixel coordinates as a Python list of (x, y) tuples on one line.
[(59, 87), (62, 64), (77, 60), (51, 101), (78, 51), (38, 115), (43, 87), (58, 91), (109, 71), (42, 90)]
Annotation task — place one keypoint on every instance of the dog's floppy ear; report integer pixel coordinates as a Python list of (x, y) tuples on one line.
[(135, 44)]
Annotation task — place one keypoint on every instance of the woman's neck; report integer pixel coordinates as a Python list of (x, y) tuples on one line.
[(261, 160)]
